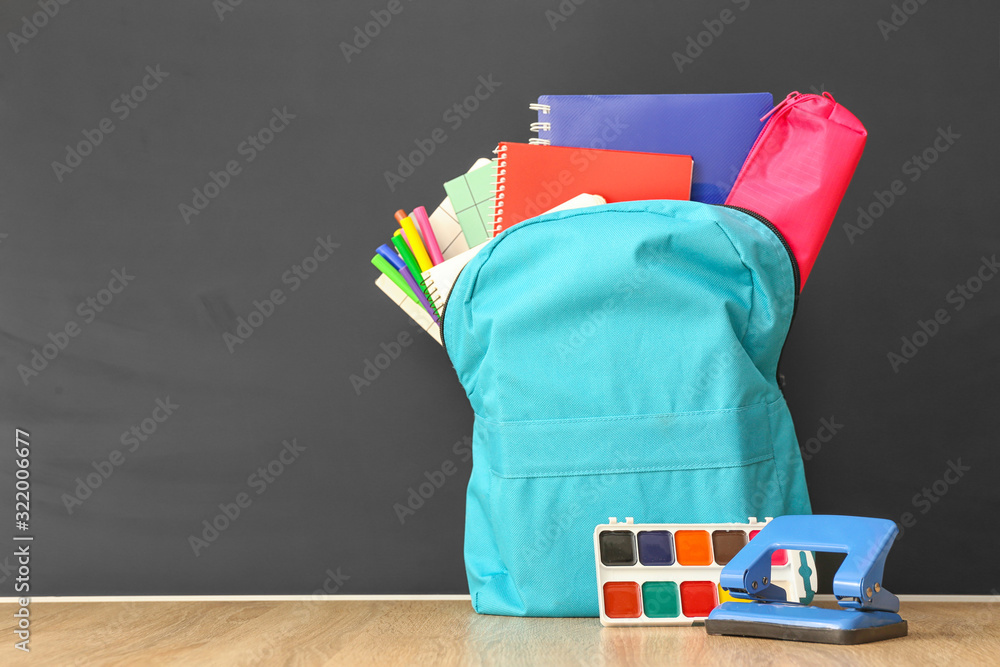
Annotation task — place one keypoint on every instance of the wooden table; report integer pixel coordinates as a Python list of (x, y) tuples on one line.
[(409, 632)]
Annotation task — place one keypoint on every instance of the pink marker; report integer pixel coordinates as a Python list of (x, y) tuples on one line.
[(430, 241)]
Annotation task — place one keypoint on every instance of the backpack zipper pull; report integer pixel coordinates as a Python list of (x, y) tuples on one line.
[(788, 99)]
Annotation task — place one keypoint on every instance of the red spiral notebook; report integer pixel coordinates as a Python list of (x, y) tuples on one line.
[(532, 179)]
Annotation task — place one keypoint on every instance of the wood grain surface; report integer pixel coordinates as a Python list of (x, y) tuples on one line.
[(334, 632)]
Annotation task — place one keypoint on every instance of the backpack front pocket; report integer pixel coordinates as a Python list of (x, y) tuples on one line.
[(550, 482)]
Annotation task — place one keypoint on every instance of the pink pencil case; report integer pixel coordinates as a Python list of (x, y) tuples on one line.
[(798, 170)]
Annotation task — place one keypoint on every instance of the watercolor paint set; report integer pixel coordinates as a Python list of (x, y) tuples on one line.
[(668, 574)]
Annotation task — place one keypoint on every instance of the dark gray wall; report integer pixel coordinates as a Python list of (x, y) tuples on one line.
[(330, 510)]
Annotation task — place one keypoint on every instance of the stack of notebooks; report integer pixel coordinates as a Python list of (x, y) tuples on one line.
[(590, 150)]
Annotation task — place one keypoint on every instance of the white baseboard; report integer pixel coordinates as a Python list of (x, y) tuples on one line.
[(230, 598), (384, 598)]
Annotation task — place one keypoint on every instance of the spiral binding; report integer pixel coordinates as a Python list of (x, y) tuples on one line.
[(498, 192), (432, 294), (540, 126)]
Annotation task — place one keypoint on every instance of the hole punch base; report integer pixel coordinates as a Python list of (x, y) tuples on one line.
[(804, 624)]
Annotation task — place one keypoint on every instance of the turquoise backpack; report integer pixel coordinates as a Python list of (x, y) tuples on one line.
[(621, 360)]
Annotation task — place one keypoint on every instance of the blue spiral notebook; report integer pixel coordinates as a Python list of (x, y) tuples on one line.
[(716, 130)]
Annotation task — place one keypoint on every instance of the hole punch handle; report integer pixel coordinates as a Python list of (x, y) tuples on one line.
[(858, 582)]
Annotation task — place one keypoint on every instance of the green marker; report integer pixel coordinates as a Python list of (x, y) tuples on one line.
[(393, 275), (411, 263)]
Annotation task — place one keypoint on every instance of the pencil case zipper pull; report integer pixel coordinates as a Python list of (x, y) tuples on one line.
[(792, 99)]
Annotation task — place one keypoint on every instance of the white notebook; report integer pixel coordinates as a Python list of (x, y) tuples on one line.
[(410, 307)]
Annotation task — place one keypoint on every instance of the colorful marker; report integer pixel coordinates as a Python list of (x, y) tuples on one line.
[(415, 243), (386, 252), (408, 277), (399, 240), (385, 267), (417, 288), (427, 231)]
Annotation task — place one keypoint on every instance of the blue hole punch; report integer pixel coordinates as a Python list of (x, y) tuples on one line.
[(868, 610)]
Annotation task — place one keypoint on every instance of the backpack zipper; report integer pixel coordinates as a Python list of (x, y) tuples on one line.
[(442, 311), (781, 237), (795, 273)]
